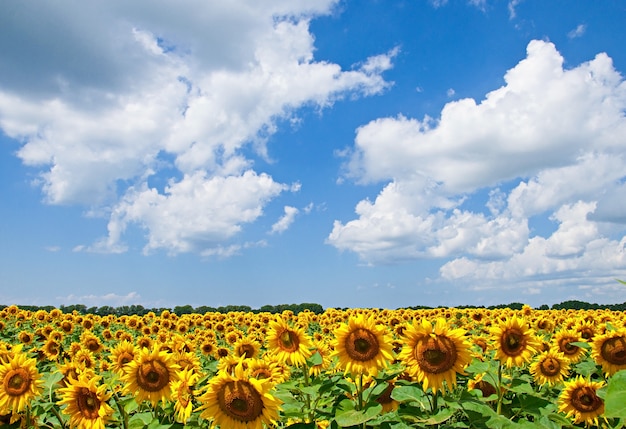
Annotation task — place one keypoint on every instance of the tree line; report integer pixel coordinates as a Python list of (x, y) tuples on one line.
[(128, 310)]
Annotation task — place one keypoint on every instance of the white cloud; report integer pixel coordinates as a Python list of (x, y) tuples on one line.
[(579, 31), (195, 83), (111, 299), (550, 142), (285, 220)]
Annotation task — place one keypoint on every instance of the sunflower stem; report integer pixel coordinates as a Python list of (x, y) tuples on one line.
[(307, 383), (123, 413), (500, 394), (58, 416)]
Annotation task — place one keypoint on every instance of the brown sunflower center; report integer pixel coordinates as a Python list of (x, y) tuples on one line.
[(17, 382), (550, 367), (362, 345), (153, 376), (289, 341), (88, 403), (566, 346), (261, 373), (513, 342), (436, 355), (246, 350), (613, 350), (240, 401), (92, 344), (486, 388), (124, 358), (586, 333), (585, 400)]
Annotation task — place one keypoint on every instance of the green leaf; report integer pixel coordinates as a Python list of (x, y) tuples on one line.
[(477, 367), (615, 401), (357, 417), (410, 394), (315, 359)]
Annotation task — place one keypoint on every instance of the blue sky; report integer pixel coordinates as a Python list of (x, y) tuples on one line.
[(346, 153)]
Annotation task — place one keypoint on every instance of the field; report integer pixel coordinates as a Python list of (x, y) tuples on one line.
[(361, 368)]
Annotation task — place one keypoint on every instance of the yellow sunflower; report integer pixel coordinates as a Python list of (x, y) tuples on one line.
[(86, 402), (579, 401), (239, 402), (434, 354), (322, 349), (609, 350), (515, 341), (121, 356), (550, 367), (362, 346), (479, 383), (149, 376), (562, 341), (182, 394), (289, 344), (246, 347), (20, 382), (269, 368)]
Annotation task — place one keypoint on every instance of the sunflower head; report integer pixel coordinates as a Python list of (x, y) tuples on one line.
[(20, 382), (85, 401), (550, 367), (291, 344), (515, 341), (579, 401), (362, 346), (609, 350)]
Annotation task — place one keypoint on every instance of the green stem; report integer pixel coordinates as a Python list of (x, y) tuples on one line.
[(58, 416), (500, 394), (123, 413), (307, 383)]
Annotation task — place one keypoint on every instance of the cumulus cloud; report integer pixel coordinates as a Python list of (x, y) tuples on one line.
[(111, 299), (549, 143), (181, 92), (285, 220)]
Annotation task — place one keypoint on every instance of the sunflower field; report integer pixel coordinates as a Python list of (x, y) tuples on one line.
[(358, 368)]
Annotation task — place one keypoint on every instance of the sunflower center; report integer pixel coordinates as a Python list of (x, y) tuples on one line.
[(153, 376), (585, 400), (550, 367), (513, 342), (613, 350), (362, 345), (240, 401), (586, 333), (567, 347), (125, 358), (436, 355), (88, 403), (17, 382), (246, 350), (289, 341), (261, 373), (486, 388)]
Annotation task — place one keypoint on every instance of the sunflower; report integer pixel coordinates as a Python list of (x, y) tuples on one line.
[(121, 356), (563, 340), (290, 344), (149, 375), (434, 354), (550, 367), (609, 350), (515, 341), (479, 383), (239, 402), (182, 394), (322, 349), (86, 402), (246, 347), (20, 382), (580, 401), (363, 347)]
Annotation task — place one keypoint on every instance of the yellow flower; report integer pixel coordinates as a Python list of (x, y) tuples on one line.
[(149, 376), (239, 402), (562, 341), (363, 347), (20, 382), (86, 402), (609, 350), (121, 356), (580, 401), (246, 347), (182, 394), (550, 367), (515, 341), (434, 354), (289, 344)]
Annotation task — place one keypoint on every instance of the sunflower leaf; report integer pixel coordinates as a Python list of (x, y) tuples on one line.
[(615, 401), (357, 417)]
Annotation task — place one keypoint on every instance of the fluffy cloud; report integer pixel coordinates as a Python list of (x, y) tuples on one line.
[(108, 96), (550, 142), (285, 220)]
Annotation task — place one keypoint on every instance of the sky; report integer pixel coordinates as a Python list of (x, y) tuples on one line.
[(346, 153)]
